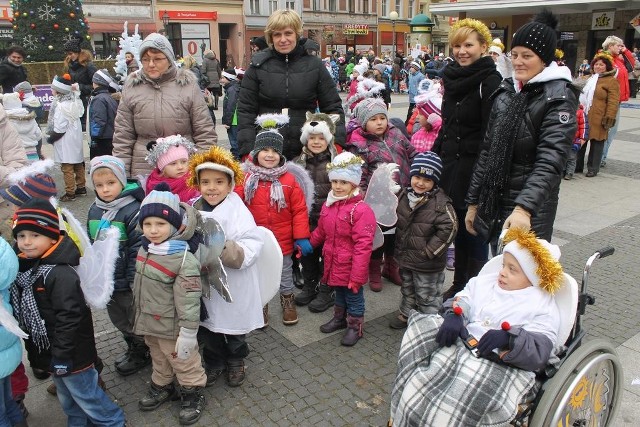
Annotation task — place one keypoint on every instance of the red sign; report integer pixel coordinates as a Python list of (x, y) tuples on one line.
[(180, 15)]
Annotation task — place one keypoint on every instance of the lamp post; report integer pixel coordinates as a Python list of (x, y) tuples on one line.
[(165, 21), (393, 16)]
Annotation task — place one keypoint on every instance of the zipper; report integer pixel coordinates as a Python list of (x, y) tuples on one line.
[(286, 82)]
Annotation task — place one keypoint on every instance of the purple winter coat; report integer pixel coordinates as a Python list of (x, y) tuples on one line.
[(346, 228), (393, 148)]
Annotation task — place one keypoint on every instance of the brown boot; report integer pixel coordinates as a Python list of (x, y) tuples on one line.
[(265, 316), (354, 330), (394, 272), (338, 321), (289, 313), (375, 279)]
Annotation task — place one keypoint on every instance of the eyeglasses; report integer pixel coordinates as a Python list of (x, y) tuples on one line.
[(147, 61)]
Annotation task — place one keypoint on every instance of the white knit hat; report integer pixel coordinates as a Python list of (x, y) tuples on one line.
[(361, 68), (538, 258)]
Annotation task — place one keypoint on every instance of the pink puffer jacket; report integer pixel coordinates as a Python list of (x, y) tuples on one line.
[(346, 228)]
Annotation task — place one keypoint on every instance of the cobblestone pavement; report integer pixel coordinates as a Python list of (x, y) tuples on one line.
[(320, 383)]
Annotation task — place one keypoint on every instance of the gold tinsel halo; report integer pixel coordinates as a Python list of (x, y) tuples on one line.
[(603, 54), (548, 268), (559, 54), (479, 26), (218, 155)]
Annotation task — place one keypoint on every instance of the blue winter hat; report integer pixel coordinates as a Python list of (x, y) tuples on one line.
[(161, 203), (427, 165), (346, 167)]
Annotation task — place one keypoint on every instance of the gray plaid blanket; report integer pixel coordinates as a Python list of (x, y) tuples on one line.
[(449, 386)]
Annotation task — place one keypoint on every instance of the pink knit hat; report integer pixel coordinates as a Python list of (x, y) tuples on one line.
[(175, 152)]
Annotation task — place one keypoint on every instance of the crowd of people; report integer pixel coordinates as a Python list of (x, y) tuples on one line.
[(480, 150)]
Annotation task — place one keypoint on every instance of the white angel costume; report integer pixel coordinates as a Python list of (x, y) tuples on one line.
[(244, 314)]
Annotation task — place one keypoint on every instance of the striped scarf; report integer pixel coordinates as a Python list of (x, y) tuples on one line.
[(258, 173), (167, 247), (25, 308)]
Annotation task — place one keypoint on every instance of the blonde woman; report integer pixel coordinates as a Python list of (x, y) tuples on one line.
[(285, 76), (466, 105)]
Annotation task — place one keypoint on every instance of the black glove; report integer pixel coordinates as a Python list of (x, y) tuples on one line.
[(450, 330), (61, 368), (495, 338), (54, 136)]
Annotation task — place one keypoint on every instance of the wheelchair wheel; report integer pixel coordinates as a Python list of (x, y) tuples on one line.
[(586, 390)]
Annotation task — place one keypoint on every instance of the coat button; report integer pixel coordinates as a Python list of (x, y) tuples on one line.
[(457, 156)]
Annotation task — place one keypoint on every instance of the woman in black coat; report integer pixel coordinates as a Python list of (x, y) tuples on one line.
[(466, 105), (79, 66), (516, 180), (285, 76)]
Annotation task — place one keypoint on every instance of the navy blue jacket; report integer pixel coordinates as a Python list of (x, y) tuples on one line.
[(102, 114), (230, 102)]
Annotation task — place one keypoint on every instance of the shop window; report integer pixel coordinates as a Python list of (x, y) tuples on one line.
[(254, 5)]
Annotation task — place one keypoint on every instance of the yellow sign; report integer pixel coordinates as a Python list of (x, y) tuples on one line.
[(355, 29)]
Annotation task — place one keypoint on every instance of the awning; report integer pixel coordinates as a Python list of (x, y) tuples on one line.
[(106, 27), (480, 8)]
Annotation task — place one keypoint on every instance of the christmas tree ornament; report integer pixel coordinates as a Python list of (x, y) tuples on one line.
[(33, 26), (50, 47), (73, 15), (66, 29), (56, 26)]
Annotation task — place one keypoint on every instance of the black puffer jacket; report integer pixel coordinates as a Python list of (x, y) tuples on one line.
[(466, 106), (11, 75), (540, 152), (296, 81), (126, 220), (83, 75), (424, 233), (66, 315)]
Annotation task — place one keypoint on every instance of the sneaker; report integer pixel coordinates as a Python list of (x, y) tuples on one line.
[(235, 372), (212, 375), (68, 198), (81, 191), (40, 374), (451, 259), (398, 322), (193, 402), (157, 395)]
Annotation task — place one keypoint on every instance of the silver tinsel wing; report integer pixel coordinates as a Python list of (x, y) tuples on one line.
[(380, 195), (212, 271), (97, 266), (10, 323)]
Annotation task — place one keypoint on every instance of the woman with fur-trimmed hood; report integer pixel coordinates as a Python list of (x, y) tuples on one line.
[(159, 101)]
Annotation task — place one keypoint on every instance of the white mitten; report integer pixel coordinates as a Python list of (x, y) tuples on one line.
[(394, 171), (186, 343)]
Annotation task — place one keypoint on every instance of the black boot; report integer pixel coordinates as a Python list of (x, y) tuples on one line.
[(193, 402), (127, 354), (354, 330), (308, 294), (157, 395), (338, 321), (298, 279), (324, 300), (138, 358)]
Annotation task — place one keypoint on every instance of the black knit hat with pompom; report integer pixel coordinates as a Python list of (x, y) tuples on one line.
[(539, 35)]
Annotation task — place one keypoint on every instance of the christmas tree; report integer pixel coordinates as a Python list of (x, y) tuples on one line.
[(42, 27)]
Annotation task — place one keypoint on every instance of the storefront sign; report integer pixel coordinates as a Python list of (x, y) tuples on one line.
[(566, 35), (5, 13), (181, 15), (603, 20), (43, 93), (193, 36), (6, 33), (355, 29)]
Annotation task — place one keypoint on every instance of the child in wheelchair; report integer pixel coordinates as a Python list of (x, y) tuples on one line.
[(508, 324)]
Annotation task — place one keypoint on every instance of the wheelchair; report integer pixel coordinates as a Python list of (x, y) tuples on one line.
[(585, 387)]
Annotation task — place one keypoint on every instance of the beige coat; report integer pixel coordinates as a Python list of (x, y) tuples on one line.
[(150, 109), (606, 101), (12, 154)]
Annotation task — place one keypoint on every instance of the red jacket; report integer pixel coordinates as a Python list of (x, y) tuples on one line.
[(582, 130), (347, 229), (623, 74), (289, 224)]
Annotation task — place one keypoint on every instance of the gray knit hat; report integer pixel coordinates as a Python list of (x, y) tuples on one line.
[(23, 87), (112, 163), (159, 42), (103, 78), (368, 108)]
